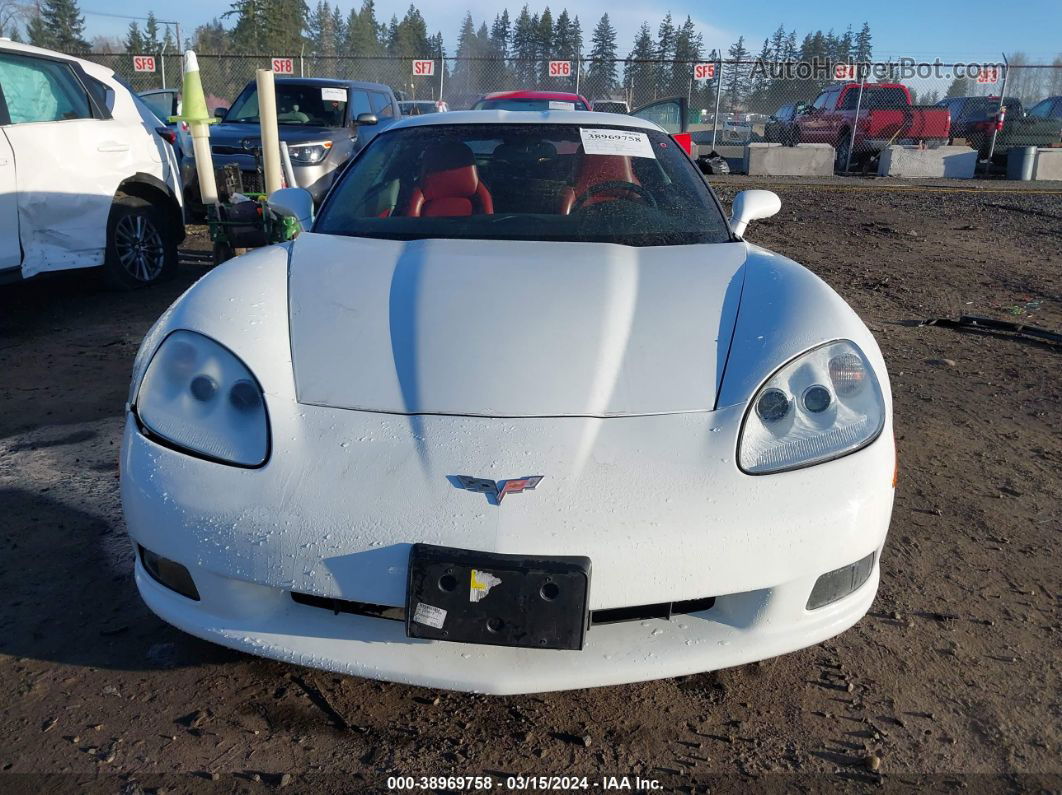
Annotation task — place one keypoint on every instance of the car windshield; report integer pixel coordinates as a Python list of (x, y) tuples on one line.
[(303, 105), (548, 182), (517, 103)]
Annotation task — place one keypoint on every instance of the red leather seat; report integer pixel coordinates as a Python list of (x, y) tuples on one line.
[(449, 184), (593, 170)]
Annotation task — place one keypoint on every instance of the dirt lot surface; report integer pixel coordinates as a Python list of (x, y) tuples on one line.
[(951, 681)]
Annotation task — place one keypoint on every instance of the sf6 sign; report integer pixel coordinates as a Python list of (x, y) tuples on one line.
[(703, 71), (560, 68), (423, 68), (283, 66), (143, 63)]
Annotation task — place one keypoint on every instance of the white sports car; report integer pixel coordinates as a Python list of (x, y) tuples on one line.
[(522, 412)]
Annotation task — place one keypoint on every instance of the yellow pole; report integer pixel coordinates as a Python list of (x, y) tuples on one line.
[(267, 121)]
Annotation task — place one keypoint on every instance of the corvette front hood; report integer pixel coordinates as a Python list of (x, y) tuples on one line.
[(511, 328)]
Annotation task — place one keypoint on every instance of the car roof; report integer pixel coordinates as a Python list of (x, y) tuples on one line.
[(91, 67), (574, 117), (331, 81), (562, 95)]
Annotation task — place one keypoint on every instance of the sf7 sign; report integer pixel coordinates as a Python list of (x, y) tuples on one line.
[(844, 71), (423, 68), (560, 68), (283, 66), (143, 63), (703, 71)]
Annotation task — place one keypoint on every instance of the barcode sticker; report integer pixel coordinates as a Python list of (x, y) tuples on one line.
[(429, 616)]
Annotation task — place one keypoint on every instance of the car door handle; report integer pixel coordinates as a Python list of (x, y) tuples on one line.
[(112, 146)]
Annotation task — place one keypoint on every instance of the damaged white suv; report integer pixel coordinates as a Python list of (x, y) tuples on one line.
[(85, 179)]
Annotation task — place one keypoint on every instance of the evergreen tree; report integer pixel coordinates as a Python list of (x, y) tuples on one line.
[(58, 26), (465, 79), (151, 34), (688, 50), (523, 47), (638, 71), (665, 52), (134, 39), (320, 29), (602, 73), (778, 39), (737, 76), (500, 35), (863, 48), (211, 38), (339, 30), (567, 45)]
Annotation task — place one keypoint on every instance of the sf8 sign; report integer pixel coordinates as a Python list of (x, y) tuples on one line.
[(988, 74), (284, 66)]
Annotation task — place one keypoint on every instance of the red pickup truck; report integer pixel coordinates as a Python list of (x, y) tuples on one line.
[(886, 116)]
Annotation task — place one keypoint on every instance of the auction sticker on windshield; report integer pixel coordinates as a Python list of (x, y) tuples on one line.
[(557, 104), (616, 142), (330, 94)]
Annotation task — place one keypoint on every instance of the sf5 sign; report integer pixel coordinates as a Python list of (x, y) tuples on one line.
[(703, 71), (560, 68), (283, 66), (423, 68), (143, 63), (988, 74)]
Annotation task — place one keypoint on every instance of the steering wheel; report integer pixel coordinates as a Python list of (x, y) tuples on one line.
[(613, 184)]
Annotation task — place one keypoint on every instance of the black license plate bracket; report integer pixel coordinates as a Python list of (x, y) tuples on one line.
[(467, 596)]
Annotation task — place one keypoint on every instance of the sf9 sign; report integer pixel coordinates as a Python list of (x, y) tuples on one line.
[(143, 63)]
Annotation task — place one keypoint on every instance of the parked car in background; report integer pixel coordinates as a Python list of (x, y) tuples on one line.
[(323, 121), (1050, 108), (610, 106), (975, 118), (781, 125), (85, 178), (531, 100), (737, 129), (418, 107), (886, 116)]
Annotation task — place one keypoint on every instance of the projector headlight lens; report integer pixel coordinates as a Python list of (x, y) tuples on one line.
[(822, 405), (198, 396)]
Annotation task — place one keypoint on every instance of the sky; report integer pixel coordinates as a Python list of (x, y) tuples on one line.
[(971, 30)]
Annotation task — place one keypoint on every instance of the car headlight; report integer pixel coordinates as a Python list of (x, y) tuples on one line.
[(822, 405), (198, 396), (308, 154)]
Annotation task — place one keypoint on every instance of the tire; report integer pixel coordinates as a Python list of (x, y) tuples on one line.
[(843, 144), (140, 249)]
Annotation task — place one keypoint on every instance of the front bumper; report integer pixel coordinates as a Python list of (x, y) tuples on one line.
[(739, 629), (656, 503)]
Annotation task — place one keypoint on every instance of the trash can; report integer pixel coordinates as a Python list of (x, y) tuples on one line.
[(1020, 162)]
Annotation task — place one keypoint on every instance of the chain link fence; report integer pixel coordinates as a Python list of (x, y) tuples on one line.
[(737, 102)]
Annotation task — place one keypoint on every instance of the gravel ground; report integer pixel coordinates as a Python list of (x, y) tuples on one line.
[(952, 679)]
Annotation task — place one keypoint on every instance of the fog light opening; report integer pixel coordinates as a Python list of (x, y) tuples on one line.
[(169, 573), (839, 583)]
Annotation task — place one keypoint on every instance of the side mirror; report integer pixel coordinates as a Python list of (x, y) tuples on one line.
[(293, 203), (366, 118), (219, 113), (751, 205)]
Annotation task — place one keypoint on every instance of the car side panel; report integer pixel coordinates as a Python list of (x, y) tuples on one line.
[(10, 250)]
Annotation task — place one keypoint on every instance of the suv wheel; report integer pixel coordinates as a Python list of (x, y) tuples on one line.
[(140, 251)]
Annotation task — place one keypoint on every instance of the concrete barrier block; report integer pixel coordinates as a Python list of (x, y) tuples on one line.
[(803, 160), (1048, 164), (956, 162)]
